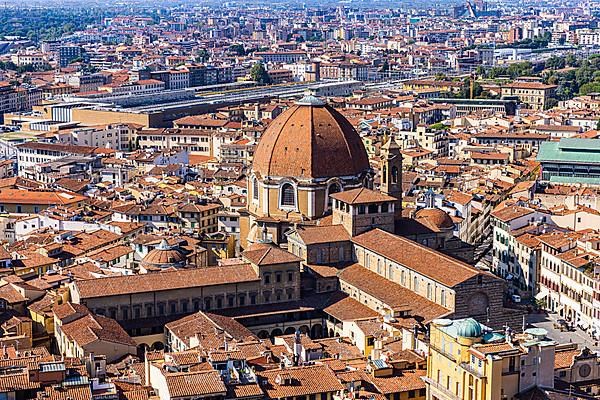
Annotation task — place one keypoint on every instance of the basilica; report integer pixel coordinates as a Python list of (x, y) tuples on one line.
[(306, 155)]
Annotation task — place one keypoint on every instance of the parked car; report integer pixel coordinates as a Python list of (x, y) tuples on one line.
[(561, 324)]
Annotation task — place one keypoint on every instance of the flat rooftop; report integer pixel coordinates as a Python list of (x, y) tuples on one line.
[(571, 150)]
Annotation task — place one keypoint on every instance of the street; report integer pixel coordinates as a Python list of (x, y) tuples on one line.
[(546, 321)]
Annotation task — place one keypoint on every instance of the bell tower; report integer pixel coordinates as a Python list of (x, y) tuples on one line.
[(391, 172)]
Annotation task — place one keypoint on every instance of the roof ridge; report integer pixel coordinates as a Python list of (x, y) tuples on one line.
[(336, 114), (292, 111), (264, 255), (358, 193), (454, 261)]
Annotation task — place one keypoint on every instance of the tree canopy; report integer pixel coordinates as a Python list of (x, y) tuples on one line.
[(259, 74)]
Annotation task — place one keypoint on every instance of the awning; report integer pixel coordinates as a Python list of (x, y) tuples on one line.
[(542, 294)]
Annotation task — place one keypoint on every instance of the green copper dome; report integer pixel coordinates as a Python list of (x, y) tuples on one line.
[(468, 328)]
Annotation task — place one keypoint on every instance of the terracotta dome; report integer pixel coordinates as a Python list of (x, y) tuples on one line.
[(164, 256), (310, 140), (435, 217)]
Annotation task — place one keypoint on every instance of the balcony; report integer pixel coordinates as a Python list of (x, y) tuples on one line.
[(443, 352), (441, 388), (472, 371)]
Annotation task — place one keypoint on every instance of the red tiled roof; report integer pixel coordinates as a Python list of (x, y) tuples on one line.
[(422, 259), (192, 384), (392, 294), (299, 381), (173, 280), (362, 196)]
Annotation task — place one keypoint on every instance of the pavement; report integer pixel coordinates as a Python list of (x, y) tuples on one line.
[(546, 321)]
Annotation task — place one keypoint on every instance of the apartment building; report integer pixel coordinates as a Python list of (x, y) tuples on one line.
[(173, 79), (32, 202), (202, 142), (515, 256), (433, 140), (570, 278), (31, 154), (292, 56), (36, 60), (206, 75), (588, 37), (14, 99), (534, 95)]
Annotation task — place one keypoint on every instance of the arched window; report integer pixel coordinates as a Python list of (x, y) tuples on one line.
[(384, 174), (288, 195), (255, 189), (333, 188), (394, 174), (415, 284)]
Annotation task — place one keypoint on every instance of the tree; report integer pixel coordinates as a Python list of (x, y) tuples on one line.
[(438, 126), (259, 74), (571, 60), (591, 87), (202, 56), (480, 71), (385, 66), (465, 90), (237, 49), (555, 62)]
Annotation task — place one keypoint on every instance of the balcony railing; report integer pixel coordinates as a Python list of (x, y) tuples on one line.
[(441, 388)]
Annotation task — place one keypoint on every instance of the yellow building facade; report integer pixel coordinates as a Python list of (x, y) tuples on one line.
[(468, 361)]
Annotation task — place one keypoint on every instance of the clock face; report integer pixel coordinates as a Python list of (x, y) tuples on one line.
[(585, 370)]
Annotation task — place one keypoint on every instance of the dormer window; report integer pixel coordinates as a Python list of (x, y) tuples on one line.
[(284, 379)]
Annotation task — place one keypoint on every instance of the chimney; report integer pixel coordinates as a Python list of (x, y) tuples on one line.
[(265, 234), (415, 336), (297, 348), (508, 334), (146, 368)]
